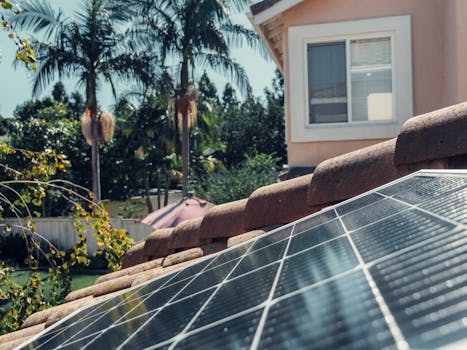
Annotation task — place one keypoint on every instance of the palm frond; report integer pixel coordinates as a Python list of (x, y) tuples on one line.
[(237, 35), (39, 16), (53, 61), (225, 64)]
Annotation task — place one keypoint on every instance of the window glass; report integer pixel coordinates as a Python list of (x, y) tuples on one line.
[(327, 80), (371, 77), (371, 97)]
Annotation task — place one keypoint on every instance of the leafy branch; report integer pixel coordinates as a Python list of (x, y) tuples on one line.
[(22, 192), (24, 51)]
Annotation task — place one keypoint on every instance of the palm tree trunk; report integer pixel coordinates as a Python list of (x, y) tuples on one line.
[(147, 191), (96, 176), (185, 134), (92, 105), (166, 189)]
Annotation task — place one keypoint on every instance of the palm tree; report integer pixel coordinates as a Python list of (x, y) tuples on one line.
[(93, 46), (197, 33)]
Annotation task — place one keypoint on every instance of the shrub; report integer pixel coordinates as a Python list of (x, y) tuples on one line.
[(237, 182)]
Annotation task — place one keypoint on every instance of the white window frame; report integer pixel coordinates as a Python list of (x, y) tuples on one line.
[(398, 28)]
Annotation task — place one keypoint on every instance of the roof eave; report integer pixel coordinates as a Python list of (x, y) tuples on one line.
[(274, 10), (274, 55)]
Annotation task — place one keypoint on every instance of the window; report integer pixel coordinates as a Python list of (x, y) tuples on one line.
[(355, 75)]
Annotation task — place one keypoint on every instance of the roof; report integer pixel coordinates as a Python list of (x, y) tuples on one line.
[(277, 5), (266, 17), (186, 208), (435, 140), (262, 5)]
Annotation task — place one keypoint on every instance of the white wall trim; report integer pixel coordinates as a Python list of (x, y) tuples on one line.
[(275, 10), (399, 27)]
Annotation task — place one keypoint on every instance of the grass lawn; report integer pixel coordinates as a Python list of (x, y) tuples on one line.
[(78, 281)]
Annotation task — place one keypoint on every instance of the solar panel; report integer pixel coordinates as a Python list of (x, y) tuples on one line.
[(385, 270)]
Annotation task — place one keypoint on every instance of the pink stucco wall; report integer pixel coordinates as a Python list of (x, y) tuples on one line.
[(439, 54)]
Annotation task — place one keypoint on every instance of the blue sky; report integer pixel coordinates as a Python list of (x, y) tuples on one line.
[(16, 84)]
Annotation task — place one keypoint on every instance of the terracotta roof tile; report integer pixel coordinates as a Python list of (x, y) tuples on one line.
[(193, 253), (434, 135), (353, 173), (186, 234), (158, 243), (42, 316), (224, 220), (113, 285), (134, 255), (22, 333), (67, 309), (236, 240), (79, 294), (164, 242), (13, 343), (130, 270), (160, 271), (279, 203)]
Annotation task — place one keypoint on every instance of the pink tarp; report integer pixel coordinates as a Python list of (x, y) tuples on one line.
[(170, 216)]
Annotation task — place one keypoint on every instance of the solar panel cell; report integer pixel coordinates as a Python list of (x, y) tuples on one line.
[(272, 238), (339, 314), (164, 325), (191, 270), (365, 216), (260, 258), (426, 290), (234, 334), (316, 235), (422, 188), (230, 255), (397, 232), (238, 295), (315, 220), (316, 264), (208, 279), (154, 301), (452, 206), (359, 203)]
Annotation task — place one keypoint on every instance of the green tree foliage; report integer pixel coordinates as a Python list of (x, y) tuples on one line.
[(237, 182), (144, 144), (197, 33), (50, 124), (95, 45), (262, 124)]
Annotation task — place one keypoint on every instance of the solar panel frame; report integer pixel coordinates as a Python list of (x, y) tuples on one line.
[(364, 267)]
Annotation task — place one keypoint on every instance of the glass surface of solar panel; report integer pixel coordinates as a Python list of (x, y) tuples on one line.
[(385, 270)]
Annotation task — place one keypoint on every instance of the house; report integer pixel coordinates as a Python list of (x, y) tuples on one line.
[(355, 71)]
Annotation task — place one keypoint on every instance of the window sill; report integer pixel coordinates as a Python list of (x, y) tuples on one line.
[(346, 131)]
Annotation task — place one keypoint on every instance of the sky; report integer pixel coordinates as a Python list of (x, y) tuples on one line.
[(16, 83)]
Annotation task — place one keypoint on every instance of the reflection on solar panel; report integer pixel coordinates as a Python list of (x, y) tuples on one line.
[(386, 270)]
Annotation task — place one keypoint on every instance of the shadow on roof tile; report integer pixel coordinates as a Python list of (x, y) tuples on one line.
[(435, 135), (278, 203), (224, 220)]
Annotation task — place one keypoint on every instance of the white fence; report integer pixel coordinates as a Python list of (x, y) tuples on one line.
[(61, 232)]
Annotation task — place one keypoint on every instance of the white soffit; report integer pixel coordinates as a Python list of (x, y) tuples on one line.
[(274, 10)]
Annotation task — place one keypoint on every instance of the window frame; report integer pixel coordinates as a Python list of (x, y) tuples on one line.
[(397, 28)]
